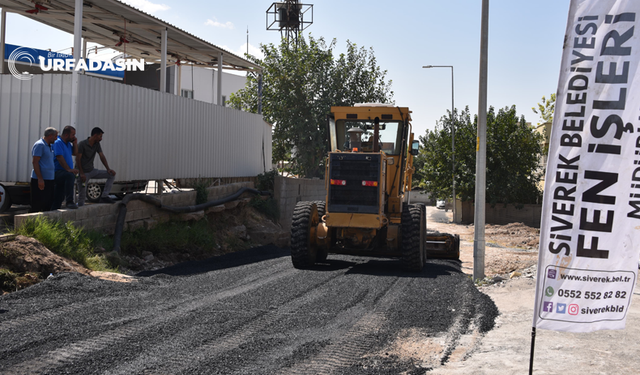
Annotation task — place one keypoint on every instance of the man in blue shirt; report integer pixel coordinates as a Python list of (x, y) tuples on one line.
[(43, 173), (64, 149)]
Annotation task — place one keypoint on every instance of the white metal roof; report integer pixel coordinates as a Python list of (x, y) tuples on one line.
[(110, 22)]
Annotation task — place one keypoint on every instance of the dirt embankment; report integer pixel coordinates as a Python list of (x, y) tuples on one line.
[(508, 248), (24, 261)]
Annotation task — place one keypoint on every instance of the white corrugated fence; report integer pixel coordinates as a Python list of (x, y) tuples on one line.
[(148, 135)]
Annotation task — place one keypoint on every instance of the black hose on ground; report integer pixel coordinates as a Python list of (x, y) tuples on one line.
[(122, 213)]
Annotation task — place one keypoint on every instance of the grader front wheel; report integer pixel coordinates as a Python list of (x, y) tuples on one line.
[(303, 230), (413, 238)]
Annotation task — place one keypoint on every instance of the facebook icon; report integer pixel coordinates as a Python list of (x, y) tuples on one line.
[(548, 307)]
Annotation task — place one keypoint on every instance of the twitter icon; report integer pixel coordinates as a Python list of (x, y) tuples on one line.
[(561, 308)]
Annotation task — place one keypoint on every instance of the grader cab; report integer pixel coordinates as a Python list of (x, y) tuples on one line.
[(368, 175)]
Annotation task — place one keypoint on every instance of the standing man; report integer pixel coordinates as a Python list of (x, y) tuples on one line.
[(43, 173), (64, 149), (87, 151)]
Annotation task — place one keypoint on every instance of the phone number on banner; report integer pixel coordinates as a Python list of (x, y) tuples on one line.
[(585, 296)]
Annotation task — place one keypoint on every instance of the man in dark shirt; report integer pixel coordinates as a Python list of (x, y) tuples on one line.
[(87, 151)]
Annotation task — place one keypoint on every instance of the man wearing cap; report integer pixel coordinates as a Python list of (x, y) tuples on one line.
[(87, 151)]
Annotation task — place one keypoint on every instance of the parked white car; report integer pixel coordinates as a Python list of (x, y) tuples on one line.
[(440, 204)]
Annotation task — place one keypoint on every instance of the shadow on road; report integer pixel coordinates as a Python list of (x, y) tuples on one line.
[(388, 267), (351, 264), (240, 258)]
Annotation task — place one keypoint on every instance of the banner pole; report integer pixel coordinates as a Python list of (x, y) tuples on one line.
[(533, 345)]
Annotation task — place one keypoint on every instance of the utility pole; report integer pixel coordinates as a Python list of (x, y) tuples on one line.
[(481, 151)]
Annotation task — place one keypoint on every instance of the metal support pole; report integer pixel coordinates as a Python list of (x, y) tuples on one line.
[(84, 53), (533, 347), (481, 151), (453, 149), (178, 90), (77, 55), (260, 93), (220, 80), (163, 61), (3, 35)]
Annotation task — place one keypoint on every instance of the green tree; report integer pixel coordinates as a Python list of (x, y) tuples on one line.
[(546, 109), (513, 150), (300, 84)]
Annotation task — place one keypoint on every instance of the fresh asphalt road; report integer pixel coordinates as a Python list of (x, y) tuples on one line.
[(249, 312)]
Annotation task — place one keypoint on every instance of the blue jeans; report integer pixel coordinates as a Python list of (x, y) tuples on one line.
[(63, 189)]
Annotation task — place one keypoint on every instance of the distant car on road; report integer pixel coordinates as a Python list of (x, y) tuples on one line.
[(440, 204)]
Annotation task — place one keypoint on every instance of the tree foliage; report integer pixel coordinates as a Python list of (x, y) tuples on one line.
[(546, 109), (513, 151), (300, 84)]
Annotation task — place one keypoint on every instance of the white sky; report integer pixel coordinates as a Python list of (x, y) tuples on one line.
[(525, 44)]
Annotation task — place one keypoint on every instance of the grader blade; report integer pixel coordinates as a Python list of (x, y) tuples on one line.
[(443, 246)]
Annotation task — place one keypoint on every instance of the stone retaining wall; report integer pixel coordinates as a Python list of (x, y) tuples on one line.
[(102, 216)]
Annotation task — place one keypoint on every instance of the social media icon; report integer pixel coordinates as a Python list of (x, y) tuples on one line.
[(549, 291), (548, 307), (561, 308), (574, 309), (551, 274)]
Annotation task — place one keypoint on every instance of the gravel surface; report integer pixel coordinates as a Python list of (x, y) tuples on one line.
[(247, 313)]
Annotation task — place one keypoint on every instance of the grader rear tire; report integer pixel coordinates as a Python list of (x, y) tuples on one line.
[(303, 249), (414, 229)]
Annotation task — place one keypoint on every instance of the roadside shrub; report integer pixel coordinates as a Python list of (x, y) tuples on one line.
[(266, 181), (66, 240), (200, 186)]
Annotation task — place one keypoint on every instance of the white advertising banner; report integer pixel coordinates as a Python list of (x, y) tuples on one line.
[(590, 229)]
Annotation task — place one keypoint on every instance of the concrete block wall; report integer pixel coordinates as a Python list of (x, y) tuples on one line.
[(417, 196), (289, 191), (102, 217), (529, 215)]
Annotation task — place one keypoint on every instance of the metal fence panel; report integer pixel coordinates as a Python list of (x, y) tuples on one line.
[(27, 108), (148, 135)]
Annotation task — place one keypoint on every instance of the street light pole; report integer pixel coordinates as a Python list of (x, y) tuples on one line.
[(453, 138)]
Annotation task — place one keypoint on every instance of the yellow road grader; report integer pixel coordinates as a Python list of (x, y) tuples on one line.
[(366, 211)]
